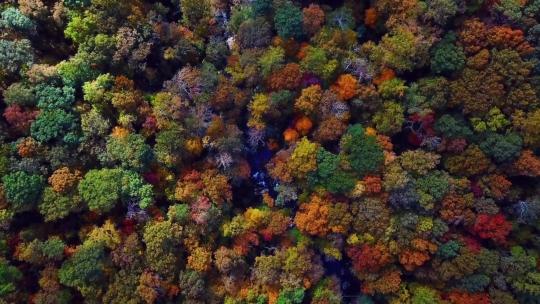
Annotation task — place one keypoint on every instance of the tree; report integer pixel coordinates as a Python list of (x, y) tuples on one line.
[(390, 119), (192, 285), (101, 189), (22, 190), (286, 78), (432, 187), (15, 55), (369, 258), (313, 19), (494, 227), (303, 159), (169, 145), (288, 296), (400, 49), (419, 161), (194, 12), (162, 240), (308, 101), (85, 268), (272, 59), (346, 86), (55, 206), (53, 97), (446, 57), (312, 217), (502, 148), (288, 20), (361, 150), (97, 92), (425, 295), (330, 175), (452, 127), (441, 11), (64, 180), (317, 62), (55, 125), (254, 33), (76, 71), (19, 93), (341, 18), (9, 275), (13, 18), (19, 119), (130, 151)]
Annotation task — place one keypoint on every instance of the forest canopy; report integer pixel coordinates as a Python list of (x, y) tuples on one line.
[(270, 151)]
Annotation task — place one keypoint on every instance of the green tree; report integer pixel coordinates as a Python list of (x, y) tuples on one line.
[(101, 189), (80, 28), (22, 190), (169, 146), (446, 56), (502, 148), (130, 151), (97, 92), (19, 93), (13, 18), (317, 62), (271, 60), (9, 275), (85, 268), (452, 127), (362, 151), (390, 119), (55, 125), (53, 97), (288, 20), (291, 296), (76, 71), (330, 175), (15, 55), (261, 7), (194, 11), (55, 206)]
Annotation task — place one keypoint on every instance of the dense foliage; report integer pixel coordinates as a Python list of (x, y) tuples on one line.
[(270, 151)]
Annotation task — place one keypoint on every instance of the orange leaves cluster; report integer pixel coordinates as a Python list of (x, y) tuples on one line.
[(372, 184), (496, 185), (346, 86), (313, 18), (456, 209), (286, 78), (468, 298), (27, 147), (370, 17), (210, 183), (506, 37), (527, 164), (290, 135), (64, 179), (386, 74), (369, 258), (312, 217), (416, 256), (473, 35), (388, 283), (303, 125), (277, 167)]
